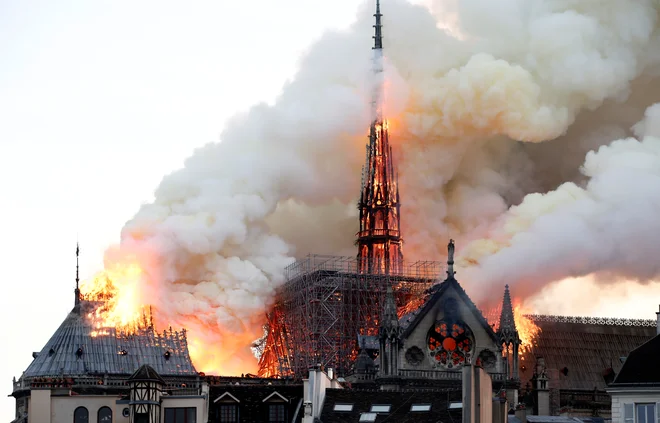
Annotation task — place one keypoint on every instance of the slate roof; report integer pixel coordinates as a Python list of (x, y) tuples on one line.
[(73, 350), (400, 410), (146, 373), (252, 407), (641, 366), (583, 353), (562, 419)]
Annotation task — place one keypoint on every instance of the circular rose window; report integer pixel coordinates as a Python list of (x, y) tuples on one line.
[(450, 344)]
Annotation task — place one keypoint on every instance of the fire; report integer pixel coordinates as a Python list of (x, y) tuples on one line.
[(527, 329), (120, 299), (116, 289)]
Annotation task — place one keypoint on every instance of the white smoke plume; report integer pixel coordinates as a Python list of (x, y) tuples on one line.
[(607, 228), (468, 85)]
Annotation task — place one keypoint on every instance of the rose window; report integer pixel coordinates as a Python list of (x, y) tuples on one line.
[(450, 344)]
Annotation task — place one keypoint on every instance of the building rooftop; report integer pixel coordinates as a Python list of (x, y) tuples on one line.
[(77, 348), (345, 405), (583, 353), (641, 366)]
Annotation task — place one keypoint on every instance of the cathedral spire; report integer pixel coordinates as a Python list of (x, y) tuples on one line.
[(77, 290), (378, 36), (379, 239)]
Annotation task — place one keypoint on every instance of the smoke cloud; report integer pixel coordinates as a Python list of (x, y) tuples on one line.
[(488, 102), (606, 228)]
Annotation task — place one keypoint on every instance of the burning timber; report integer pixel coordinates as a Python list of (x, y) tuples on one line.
[(83, 354), (326, 303)]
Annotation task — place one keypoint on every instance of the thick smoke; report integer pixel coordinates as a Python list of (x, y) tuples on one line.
[(466, 96), (608, 227)]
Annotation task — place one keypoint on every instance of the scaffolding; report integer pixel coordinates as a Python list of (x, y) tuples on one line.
[(326, 303)]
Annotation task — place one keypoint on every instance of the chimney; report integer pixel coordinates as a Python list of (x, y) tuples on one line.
[(657, 326), (521, 413)]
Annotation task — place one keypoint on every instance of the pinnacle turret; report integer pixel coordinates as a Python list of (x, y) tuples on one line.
[(507, 331), (450, 260), (389, 320)]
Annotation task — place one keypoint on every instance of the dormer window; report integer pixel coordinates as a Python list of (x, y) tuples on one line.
[(228, 411), (277, 407)]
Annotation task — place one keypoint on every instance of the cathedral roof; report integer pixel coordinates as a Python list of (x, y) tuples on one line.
[(78, 349), (583, 353), (437, 293)]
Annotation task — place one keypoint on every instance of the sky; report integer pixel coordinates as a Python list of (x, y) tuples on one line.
[(98, 101)]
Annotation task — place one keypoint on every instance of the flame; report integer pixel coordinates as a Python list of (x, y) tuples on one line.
[(527, 329), (117, 290)]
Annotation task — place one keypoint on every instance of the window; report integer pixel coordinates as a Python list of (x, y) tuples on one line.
[(81, 415), (420, 407), (450, 343), (645, 413), (181, 415), (380, 408), (343, 407), (368, 417), (229, 413), (276, 413), (104, 415)]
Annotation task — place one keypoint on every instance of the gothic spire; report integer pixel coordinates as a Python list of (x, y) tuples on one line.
[(379, 239), (77, 290), (508, 331), (378, 36)]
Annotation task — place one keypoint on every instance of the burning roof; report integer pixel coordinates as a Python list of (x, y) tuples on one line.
[(78, 348)]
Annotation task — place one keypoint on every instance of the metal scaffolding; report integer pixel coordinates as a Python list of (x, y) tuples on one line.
[(325, 304)]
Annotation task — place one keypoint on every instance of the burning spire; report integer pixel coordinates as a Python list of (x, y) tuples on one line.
[(379, 239)]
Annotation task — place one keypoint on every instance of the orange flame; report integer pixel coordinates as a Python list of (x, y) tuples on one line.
[(527, 329), (117, 290)]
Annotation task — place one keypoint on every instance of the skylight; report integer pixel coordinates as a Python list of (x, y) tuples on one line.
[(343, 407), (380, 408), (368, 417), (420, 407)]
